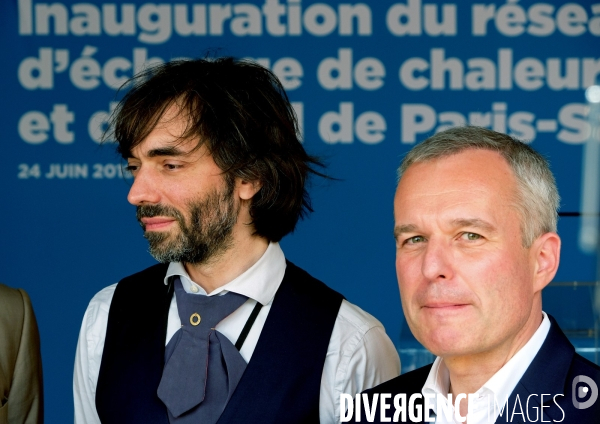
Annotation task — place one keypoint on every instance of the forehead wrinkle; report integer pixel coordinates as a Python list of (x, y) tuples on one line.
[(174, 124), (169, 141)]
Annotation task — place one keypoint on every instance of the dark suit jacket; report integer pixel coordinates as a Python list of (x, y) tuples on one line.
[(552, 372), (21, 398)]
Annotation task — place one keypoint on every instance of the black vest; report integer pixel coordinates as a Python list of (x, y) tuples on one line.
[(281, 383)]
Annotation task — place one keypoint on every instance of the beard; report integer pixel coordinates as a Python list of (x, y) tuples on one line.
[(206, 236)]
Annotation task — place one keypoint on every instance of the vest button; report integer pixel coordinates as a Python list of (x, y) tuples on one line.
[(195, 319)]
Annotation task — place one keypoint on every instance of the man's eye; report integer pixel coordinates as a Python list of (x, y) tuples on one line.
[(415, 240), (131, 168), (471, 236), (172, 166)]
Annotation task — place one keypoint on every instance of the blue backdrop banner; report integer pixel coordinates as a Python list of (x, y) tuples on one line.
[(367, 79)]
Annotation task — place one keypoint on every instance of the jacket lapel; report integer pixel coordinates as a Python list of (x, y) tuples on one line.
[(546, 376)]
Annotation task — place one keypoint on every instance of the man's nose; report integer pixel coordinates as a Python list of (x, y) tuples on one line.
[(144, 189), (437, 261)]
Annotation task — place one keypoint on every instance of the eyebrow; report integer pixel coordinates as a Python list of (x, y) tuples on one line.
[(457, 223), (475, 223), (401, 229), (166, 151)]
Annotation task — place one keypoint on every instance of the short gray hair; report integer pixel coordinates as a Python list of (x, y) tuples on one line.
[(537, 196)]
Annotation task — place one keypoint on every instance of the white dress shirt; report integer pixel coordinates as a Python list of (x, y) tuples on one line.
[(499, 386), (360, 354)]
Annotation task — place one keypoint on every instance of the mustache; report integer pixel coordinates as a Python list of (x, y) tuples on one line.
[(149, 211)]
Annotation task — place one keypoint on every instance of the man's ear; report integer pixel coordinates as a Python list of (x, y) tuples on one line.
[(247, 189), (546, 251)]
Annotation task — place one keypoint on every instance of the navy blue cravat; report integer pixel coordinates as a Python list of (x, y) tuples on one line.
[(202, 367)]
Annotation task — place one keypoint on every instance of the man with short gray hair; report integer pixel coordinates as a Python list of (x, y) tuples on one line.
[(475, 226)]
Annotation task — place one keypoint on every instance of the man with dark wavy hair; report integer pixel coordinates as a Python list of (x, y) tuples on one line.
[(224, 329)]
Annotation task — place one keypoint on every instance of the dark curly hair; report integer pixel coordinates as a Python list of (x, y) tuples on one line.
[(240, 112)]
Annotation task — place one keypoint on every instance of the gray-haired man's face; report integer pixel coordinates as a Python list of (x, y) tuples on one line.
[(467, 284)]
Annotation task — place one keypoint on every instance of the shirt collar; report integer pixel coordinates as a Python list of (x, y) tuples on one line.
[(438, 380), (437, 383), (506, 378), (259, 282)]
